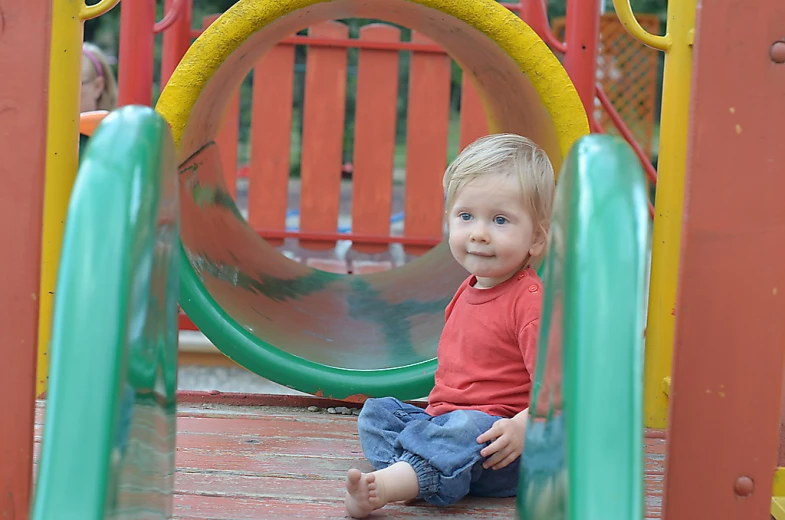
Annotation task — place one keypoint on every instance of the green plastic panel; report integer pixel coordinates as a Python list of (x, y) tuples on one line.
[(109, 436), (583, 453)]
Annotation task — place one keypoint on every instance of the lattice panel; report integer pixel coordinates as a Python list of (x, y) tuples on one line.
[(627, 71)]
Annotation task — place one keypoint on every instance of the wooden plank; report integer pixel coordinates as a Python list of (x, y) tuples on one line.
[(259, 400), (269, 412), (231, 508), (312, 445), (653, 501), (374, 136), (230, 483), (260, 463), (322, 143), (427, 131), (24, 60), (271, 131), (253, 427), (474, 124), (270, 426), (339, 427), (728, 362)]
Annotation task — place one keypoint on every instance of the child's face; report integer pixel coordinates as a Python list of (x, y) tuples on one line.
[(92, 87), (491, 233)]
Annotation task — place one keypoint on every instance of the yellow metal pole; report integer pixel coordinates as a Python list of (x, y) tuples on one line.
[(62, 142), (666, 237)]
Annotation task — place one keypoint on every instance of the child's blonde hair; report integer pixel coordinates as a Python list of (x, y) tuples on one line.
[(100, 67), (507, 154)]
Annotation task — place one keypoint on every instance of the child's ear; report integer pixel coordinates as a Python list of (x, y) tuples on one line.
[(538, 244)]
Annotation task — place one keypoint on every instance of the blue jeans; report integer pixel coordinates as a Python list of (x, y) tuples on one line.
[(442, 449)]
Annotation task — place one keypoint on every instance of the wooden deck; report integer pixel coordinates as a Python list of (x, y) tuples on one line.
[(285, 462)]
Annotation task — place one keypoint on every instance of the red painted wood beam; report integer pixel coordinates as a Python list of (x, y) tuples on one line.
[(730, 331), (25, 29)]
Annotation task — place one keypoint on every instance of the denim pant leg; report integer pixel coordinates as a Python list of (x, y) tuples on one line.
[(379, 424), (444, 453), (496, 483)]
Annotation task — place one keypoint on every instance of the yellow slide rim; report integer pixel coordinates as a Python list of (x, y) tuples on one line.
[(514, 37)]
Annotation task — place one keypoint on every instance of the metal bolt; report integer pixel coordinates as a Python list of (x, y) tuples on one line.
[(744, 486), (777, 52)]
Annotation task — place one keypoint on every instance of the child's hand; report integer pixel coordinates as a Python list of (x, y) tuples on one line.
[(507, 436)]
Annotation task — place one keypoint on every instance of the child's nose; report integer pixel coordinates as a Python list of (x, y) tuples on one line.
[(479, 233)]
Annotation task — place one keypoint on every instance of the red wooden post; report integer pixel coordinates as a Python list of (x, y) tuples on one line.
[(177, 38), (582, 35), (730, 332), (135, 68), (24, 61)]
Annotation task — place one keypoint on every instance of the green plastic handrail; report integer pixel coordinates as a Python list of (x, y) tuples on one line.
[(109, 436), (583, 453)]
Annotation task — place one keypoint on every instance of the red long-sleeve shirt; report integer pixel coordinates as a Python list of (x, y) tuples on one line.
[(488, 347)]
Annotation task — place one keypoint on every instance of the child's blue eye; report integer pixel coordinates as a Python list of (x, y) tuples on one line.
[(500, 220), (465, 216)]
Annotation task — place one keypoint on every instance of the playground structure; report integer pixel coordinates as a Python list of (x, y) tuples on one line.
[(722, 478), (600, 187), (323, 119)]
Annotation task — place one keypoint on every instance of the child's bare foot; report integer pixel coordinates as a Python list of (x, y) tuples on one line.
[(361, 497)]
